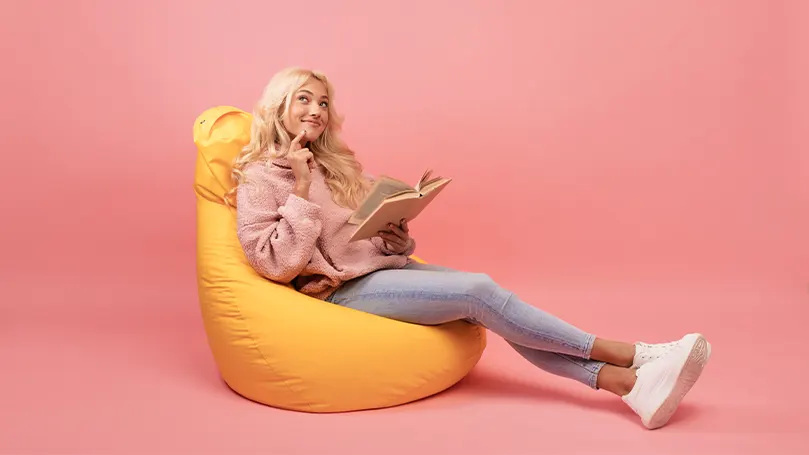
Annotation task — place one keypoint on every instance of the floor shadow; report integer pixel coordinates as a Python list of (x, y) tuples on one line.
[(491, 384)]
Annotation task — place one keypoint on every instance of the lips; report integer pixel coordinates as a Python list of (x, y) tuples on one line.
[(311, 122)]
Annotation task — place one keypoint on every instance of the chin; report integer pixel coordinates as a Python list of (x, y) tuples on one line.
[(312, 136)]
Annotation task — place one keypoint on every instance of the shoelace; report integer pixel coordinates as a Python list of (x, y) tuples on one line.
[(652, 351)]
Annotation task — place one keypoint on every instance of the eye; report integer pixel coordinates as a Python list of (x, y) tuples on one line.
[(303, 98), (324, 104)]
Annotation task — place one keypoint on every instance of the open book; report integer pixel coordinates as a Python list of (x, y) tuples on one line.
[(390, 200)]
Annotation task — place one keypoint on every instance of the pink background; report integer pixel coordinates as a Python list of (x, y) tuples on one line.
[(638, 168)]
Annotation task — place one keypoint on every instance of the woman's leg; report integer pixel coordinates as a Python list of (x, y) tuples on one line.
[(587, 371), (426, 295), (429, 294)]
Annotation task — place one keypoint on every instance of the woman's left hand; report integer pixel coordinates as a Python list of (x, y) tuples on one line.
[(397, 239)]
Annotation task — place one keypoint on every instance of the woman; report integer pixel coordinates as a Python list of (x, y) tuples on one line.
[(297, 184)]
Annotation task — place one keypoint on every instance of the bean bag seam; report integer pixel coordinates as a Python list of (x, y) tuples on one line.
[(250, 332), (256, 346), (206, 158), (264, 358)]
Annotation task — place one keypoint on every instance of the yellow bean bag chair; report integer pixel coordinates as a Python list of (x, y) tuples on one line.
[(282, 348)]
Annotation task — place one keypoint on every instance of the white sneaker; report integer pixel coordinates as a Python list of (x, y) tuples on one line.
[(646, 352), (663, 383)]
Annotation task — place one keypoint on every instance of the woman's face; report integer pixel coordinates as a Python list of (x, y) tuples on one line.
[(309, 110)]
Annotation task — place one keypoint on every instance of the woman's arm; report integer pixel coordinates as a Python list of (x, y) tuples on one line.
[(279, 241)]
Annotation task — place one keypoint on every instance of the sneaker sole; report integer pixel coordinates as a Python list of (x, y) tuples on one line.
[(690, 372)]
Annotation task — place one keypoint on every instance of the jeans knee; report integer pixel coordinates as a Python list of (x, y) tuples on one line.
[(481, 285)]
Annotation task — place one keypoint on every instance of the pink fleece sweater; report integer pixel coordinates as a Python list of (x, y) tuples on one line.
[(289, 239)]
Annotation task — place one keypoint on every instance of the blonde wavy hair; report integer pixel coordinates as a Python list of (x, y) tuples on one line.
[(343, 173)]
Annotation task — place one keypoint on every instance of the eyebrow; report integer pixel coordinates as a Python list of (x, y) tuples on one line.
[(307, 91)]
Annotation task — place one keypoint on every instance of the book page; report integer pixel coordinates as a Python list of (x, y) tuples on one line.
[(383, 188), (433, 184), (420, 185), (427, 184), (392, 210)]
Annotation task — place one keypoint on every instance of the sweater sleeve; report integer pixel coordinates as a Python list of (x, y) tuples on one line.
[(279, 241)]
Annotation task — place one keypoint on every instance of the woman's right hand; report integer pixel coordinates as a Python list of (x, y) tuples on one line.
[(299, 159)]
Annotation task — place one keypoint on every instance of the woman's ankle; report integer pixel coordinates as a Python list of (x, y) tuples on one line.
[(613, 352), (617, 380)]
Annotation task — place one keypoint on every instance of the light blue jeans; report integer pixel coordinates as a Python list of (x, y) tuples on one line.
[(429, 295)]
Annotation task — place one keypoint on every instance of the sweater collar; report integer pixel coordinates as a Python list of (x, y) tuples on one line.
[(281, 162)]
